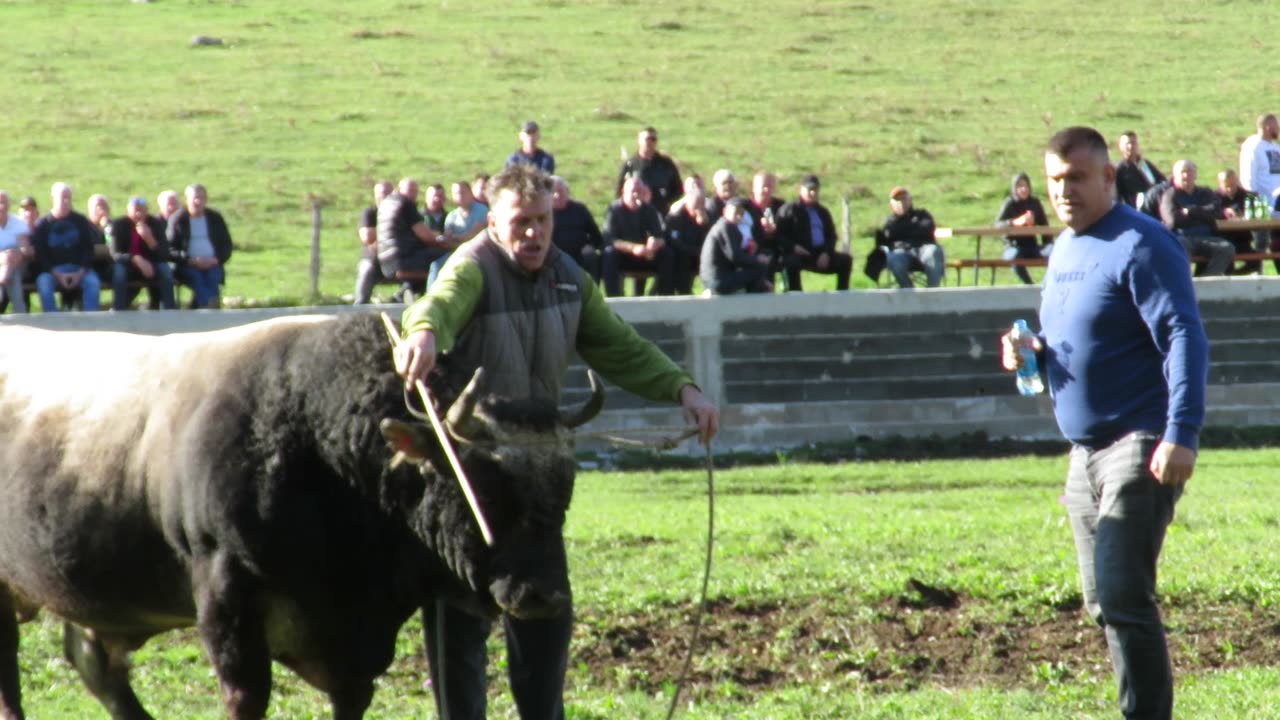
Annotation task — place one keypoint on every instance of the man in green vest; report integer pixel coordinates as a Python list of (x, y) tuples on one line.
[(512, 303)]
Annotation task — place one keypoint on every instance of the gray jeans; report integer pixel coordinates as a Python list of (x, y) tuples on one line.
[(1119, 514)]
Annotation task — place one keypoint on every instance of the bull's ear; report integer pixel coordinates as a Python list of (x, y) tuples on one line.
[(408, 441)]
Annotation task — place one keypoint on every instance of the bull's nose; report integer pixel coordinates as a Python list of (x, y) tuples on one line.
[(523, 600)]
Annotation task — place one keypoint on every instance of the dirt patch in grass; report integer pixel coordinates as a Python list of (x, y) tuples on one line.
[(905, 642)]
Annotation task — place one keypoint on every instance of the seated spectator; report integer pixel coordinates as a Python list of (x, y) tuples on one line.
[(1235, 201), (1022, 209), (730, 262), (201, 246), (479, 186), (406, 245), (367, 271), (167, 203), (906, 244), (633, 241), (29, 211), (466, 220), (687, 226), (15, 243), (63, 242), (98, 210), (433, 212), (139, 251), (1135, 175), (659, 172), (724, 187), (1192, 212), (575, 231), (763, 213), (529, 152), (808, 230)]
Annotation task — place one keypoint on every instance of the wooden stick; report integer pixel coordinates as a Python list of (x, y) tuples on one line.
[(445, 443)]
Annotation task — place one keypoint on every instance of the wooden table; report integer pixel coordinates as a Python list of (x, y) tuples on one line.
[(1272, 223), (980, 232)]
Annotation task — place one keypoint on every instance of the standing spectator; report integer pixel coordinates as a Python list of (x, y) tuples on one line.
[(1134, 174), (63, 241), (167, 203), (731, 262), (724, 187), (687, 226), (201, 246), (1023, 209), (574, 230), (1192, 212), (1260, 160), (659, 172), (15, 247), (367, 270), (529, 152), (905, 244), (808, 230), (1235, 199), (1127, 362), (406, 245), (139, 251), (479, 186), (633, 241)]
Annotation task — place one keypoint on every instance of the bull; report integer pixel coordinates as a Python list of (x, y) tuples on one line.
[(247, 481)]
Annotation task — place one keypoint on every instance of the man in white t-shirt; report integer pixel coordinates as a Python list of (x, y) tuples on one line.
[(1260, 160), (15, 248)]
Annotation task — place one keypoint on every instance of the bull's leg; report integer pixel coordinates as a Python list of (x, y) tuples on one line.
[(10, 690), (105, 671), (233, 630), (350, 702)]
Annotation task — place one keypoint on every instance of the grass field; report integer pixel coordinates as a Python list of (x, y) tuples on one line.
[(825, 602), (318, 98)]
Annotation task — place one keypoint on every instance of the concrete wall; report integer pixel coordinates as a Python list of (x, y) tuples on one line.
[(793, 369)]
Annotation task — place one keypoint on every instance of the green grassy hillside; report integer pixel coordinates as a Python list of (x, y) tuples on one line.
[(319, 98)]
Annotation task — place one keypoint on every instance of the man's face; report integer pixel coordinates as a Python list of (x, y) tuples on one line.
[(30, 214), (1184, 177), (633, 193), (647, 144), (137, 213), (1080, 186), (1128, 146), (460, 193), (733, 214), (529, 140), (560, 196), (1271, 128), (196, 200), (726, 189), (762, 189), (900, 204), (435, 199), (1022, 190), (170, 205), (477, 189), (523, 229), (1228, 182), (99, 210), (808, 195), (61, 201)]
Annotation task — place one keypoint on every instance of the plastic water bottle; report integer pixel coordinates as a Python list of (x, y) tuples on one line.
[(1029, 382)]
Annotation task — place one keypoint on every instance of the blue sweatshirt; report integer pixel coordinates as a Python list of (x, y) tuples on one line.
[(1124, 346)]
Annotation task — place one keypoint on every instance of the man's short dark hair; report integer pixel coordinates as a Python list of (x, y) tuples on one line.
[(1067, 141), (528, 182)]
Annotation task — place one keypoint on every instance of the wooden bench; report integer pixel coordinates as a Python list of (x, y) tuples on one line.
[(961, 264)]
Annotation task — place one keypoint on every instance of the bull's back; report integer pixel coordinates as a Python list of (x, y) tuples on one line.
[(96, 436)]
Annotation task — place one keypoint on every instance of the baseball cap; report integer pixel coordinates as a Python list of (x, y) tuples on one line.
[(529, 127), (138, 200), (811, 181), (897, 192)]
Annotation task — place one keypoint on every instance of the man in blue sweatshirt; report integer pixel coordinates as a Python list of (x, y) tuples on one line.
[(1127, 362)]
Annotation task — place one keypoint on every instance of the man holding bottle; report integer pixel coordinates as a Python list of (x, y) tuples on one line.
[(1127, 363)]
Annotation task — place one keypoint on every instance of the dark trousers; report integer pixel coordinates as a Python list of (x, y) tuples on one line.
[(840, 265), (159, 288), (1119, 514), (615, 263), (537, 659), (750, 279)]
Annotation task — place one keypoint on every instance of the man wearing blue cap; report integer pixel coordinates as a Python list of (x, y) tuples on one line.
[(139, 251), (529, 153)]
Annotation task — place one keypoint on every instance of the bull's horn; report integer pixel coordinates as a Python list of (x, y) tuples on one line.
[(460, 418), (589, 409)]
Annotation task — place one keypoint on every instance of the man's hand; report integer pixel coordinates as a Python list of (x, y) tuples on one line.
[(698, 410), (415, 357), (1172, 464), (144, 232), (1009, 355)]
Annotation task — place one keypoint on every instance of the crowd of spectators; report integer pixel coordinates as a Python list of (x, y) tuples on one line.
[(67, 256)]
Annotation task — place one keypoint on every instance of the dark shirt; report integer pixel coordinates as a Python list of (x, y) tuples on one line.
[(1130, 180), (369, 219), (909, 230), (575, 229), (179, 235), (659, 173), (396, 218), (621, 223), (768, 241), (540, 159), (1013, 208), (121, 235), (1193, 213), (63, 241), (683, 231), (795, 224)]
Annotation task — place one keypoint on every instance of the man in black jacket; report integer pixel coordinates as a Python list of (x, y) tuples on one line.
[(1192, 213), (139, 251), (730, 262), (201, 245), (905, 244), (810, 235), (575, 230), (1134, 174), (658, 172), (634, 240)]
